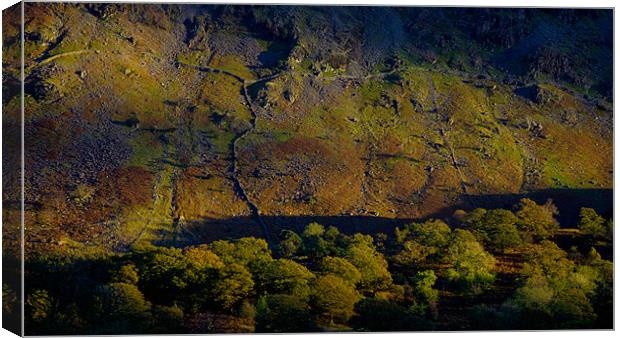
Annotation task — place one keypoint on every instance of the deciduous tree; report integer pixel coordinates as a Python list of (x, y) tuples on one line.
[(536, 221), (334, 298)]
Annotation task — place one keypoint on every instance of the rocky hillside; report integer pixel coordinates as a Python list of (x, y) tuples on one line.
[(180, 124)]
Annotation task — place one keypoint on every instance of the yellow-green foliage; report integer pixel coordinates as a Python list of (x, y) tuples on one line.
[(143, 224), (405, 144), (194, 57), (147, 150), (234, 65), (224, 93)]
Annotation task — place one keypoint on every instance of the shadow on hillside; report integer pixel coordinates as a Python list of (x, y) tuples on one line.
[(209, 229), (568, 201)]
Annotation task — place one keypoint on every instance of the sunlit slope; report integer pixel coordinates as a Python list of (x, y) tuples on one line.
[(152, 123)]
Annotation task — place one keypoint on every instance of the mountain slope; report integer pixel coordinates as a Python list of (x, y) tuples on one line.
[(178, 124)]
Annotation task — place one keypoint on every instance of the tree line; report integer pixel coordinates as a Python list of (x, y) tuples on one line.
[(426, 275)]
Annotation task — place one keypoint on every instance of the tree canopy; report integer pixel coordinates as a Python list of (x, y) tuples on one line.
[(323, 279)]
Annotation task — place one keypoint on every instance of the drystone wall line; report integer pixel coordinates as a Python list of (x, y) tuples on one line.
[(211, 57), (428, 183), (150, 220), (367, 175), (244, 85), (454, 160), (371, 151), (113, 222), (241, 79), (174, 177), (54, 57), (140, 234), (528, 158), (443, 133), (254, 209), (371, 156), (359, 78), (213, 70), (274, 76)]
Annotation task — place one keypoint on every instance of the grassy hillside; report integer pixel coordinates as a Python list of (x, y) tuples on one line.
[(156, 112)]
